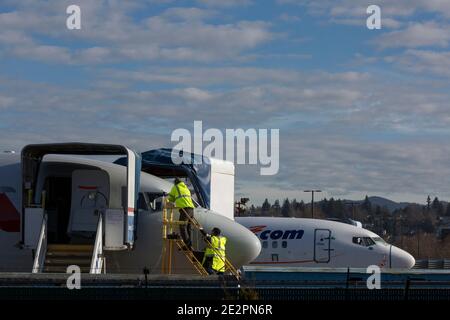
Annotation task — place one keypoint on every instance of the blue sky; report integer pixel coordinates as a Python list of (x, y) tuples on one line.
[(359, 111)]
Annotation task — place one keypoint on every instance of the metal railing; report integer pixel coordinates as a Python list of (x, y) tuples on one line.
[(229, 267), (167, 226), (432, 264), (98, 260), (41, 250)]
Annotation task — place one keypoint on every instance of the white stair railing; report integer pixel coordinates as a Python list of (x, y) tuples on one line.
[(41, 250), (97, 260)]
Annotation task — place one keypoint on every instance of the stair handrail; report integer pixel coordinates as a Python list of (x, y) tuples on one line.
[(194, 222), (41, 248), (228, 265), (97, 254)]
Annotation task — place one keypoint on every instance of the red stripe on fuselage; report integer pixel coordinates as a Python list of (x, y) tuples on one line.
[(9, 216), (88, 187), (256, 229), (281, 262)]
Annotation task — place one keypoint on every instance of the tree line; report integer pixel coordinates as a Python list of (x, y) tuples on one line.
[(408, 220)]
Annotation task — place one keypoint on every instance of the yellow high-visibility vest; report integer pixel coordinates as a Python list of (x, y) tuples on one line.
[(218, 251), (181, 195)]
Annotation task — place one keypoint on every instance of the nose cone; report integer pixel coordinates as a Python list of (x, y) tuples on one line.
[(401, 259), (242, 245)]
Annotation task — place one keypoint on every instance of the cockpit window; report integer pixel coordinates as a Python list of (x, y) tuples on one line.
[(154, 201), (363, 241), (369, 242), (379, 240)]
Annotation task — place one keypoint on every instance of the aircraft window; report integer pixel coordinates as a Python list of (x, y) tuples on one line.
[(265, 244), (274, 244), (368, 242), (284, 244), (154, 201), (379, 240), (363, 241)]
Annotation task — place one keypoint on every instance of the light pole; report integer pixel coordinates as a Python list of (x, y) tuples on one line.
[(312, 200)]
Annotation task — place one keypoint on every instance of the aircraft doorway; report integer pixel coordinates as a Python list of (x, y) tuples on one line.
[(57, 207), (322, 243)]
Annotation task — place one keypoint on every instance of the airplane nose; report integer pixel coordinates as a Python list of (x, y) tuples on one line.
[(401, 259), (242, 245)]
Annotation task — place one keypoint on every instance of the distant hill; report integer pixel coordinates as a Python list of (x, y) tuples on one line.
[(385, 203), (389, 204)]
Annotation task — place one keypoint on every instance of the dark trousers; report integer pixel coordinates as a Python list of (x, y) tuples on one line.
[(185, 230), (207, 264)]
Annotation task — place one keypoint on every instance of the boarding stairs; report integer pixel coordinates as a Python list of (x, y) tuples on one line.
[(60, 256), (170, 238), (56, 258)]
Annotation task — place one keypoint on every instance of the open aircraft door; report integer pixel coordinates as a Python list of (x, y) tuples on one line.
[(120, 220), (133, 182)]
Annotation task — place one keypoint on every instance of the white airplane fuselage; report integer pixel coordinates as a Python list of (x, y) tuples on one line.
[(242, 246), (321, 243)]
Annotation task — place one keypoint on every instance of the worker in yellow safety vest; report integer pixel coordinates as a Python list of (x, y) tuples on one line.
[(214, 257), (181, 196)]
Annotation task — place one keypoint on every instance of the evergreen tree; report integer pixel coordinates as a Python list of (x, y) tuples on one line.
[(276, 205), (367, 205), (294, 205), (301, 206), (438, 207), (286, 208), (265, 206), (324, 205), (447, 212), (435, 204), (330, 207), (339, 209)]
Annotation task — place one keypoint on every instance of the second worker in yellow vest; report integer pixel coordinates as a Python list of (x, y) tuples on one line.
[(214, 258)]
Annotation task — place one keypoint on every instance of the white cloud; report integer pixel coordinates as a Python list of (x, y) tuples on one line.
[(424, 62), (175, 34), (390, 9), (225, 3), (197, 94), (6, 102), (416, 35), (328, 121), (333, 125), (289, 18), (232, 76), (188, 14)]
